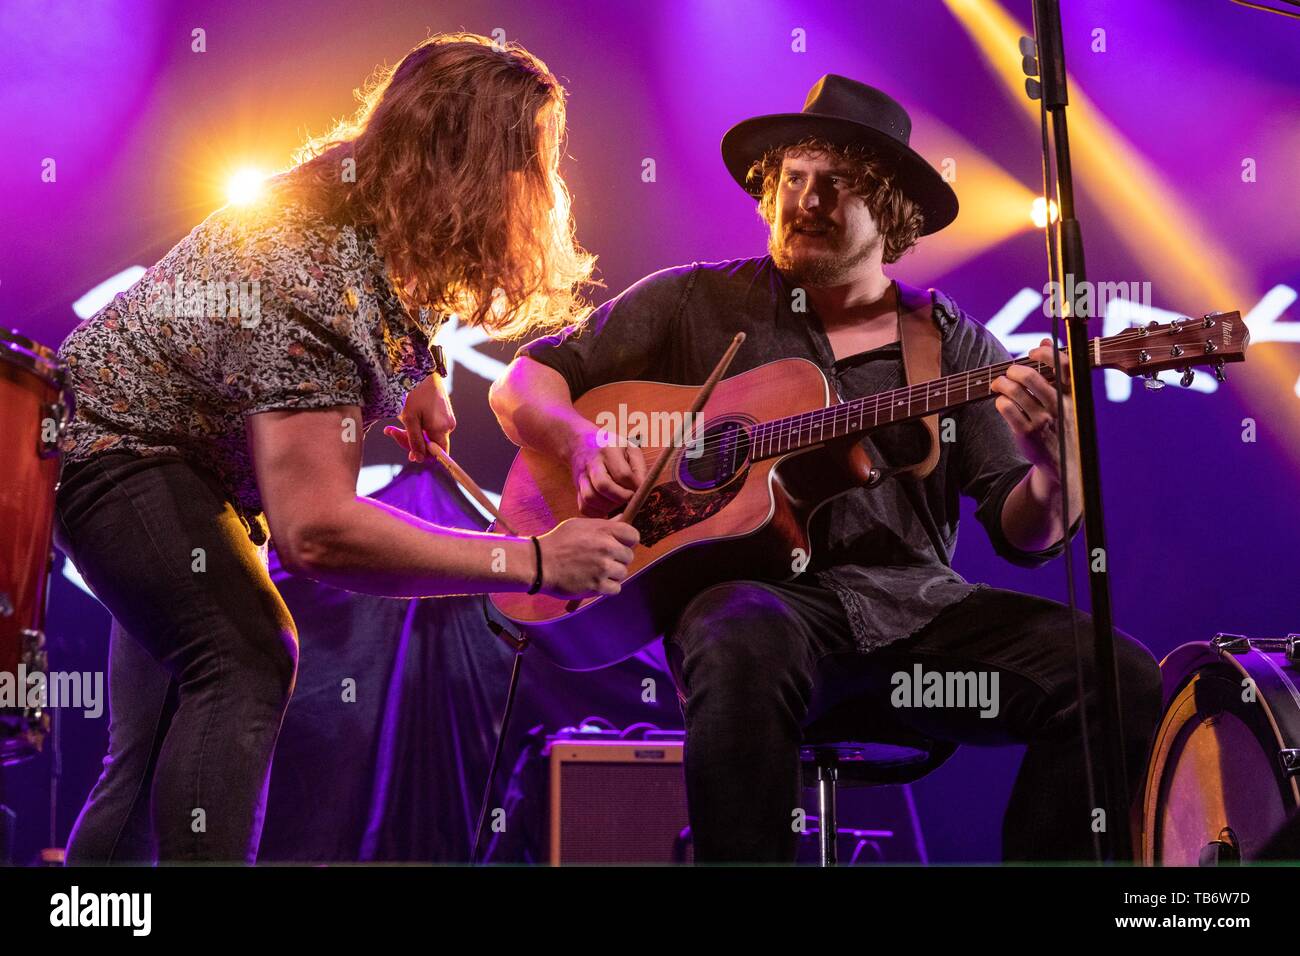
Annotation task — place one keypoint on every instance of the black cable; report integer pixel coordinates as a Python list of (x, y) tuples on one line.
[(1054, 287), (520, 646), (1260, 6), (641, 726)]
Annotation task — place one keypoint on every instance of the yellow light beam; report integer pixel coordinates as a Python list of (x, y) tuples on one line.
[(1195, 271), (994, 205)]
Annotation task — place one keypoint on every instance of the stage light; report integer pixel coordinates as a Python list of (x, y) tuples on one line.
[(244, 187), (1038, 212), (1169, 242)]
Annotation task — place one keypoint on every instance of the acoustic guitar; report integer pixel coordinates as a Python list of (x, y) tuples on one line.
[(770, 447)]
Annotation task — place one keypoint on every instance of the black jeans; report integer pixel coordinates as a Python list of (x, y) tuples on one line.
[(755, 664), (202, 659)]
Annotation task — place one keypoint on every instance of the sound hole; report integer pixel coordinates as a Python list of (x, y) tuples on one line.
[(715, 459)]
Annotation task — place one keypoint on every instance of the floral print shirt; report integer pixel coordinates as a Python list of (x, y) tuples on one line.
[(259, 308)]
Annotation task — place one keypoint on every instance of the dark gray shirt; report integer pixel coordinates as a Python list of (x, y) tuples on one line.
[(885, 551)]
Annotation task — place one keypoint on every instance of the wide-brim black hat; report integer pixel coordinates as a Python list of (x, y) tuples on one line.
[(844, 112)]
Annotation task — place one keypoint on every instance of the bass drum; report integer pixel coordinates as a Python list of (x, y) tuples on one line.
[(1223, 773), (35, 406)]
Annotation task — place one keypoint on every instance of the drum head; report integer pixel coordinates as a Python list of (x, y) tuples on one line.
[(1215, 789)]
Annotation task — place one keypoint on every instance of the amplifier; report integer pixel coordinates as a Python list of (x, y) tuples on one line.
[(617, 801)]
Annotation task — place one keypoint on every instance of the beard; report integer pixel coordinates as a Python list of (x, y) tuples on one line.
[(817, 262)]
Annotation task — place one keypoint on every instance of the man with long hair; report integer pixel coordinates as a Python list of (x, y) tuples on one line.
[(842, 194), (228, 390)]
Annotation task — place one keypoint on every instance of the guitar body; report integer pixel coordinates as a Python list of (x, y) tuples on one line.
[(719, 513), (712, 518)]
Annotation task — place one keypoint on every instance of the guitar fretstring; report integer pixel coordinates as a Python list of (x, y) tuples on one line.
[(843, 412)]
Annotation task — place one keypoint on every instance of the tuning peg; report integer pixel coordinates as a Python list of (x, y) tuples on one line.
[(1152, 382), (1029, 64), (1219, 373), (1188, 375)]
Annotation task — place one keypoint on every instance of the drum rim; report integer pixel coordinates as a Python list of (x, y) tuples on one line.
[(1270, 682), (33, 356), (1204, 658)]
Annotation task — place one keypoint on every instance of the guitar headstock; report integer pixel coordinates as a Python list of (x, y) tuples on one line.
[(1213, 340)]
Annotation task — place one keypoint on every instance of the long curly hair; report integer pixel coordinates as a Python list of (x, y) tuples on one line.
[(453, 158), (898, 219)]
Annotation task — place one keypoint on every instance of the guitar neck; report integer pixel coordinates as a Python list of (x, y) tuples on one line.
[(845, 419)]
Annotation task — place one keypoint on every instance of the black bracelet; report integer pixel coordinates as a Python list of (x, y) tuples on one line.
[(537, 578)]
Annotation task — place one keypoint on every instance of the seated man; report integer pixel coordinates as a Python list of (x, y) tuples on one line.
[(843, 194)]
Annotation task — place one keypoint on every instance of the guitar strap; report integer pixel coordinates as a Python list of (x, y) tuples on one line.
[(922, 359)]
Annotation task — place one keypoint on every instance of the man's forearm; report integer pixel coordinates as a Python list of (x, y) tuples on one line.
[(1031, 514), (551, 427), (532, 403), (372, 548)]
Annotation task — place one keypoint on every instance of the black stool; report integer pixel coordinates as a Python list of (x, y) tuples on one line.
[(829, 761)]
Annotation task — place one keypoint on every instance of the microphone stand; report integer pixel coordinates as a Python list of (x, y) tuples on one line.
[(1116, 840)]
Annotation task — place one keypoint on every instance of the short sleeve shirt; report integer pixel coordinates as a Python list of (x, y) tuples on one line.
[(269, 307), (885, 551)]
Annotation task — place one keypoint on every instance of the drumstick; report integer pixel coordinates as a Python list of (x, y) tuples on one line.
[(465, 481), (657, 469), (701, 398)]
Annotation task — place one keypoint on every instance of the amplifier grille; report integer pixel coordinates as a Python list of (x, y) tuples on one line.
[(613, 812)]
